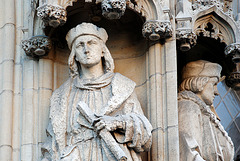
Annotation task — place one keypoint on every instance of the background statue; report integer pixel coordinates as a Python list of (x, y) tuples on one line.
[(202, 137), (95, 115)]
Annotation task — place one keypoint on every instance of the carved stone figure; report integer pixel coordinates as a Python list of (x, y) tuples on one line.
[(202, 137), (95, 114)]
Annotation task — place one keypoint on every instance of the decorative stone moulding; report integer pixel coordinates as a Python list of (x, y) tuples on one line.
[(37, 46), (225, 7), (52, 15), (234, 78), (155, 30), (186, 38), (215, 32), (113, 9)]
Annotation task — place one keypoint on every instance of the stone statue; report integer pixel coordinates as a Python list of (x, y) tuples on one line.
[(202, 137), (95, 115)]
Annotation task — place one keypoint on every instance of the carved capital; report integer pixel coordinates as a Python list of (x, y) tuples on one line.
[(155, 30), (52, 15), (37, 46), (234, 78), (186, 38), (232, 49), (113, 9)]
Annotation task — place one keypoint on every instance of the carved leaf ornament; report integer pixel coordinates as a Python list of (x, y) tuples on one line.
[(37, 46), (113, 9), (200, 5), (187, 39), (234, 78), (155, 30), (52, 15)]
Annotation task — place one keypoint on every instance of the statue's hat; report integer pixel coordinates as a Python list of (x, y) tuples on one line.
[(201, 68), (85, 29)]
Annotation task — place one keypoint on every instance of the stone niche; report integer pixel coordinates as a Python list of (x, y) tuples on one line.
[(206, 49), (125, 42)]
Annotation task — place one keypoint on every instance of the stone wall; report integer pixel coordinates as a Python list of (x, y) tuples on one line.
[(27, 83)]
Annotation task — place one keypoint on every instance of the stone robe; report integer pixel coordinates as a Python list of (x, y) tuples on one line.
[(72, 137), (202, 137)]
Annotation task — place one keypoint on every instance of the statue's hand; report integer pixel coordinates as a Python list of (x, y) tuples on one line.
[(110, 123)]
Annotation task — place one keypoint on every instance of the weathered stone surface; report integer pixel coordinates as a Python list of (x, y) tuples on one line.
[(52, 15), (199, 5), (233, 50), (233, 80), (37, 46), (155, 30), (187, 39), (201, 135), (113, 9), (102, 114)]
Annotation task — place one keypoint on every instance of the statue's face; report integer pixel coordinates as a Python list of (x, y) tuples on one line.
[(209, 91), (88, 50)]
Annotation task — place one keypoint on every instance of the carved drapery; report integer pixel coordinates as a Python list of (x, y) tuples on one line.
[(233, 50), (37, 46), (155, 30), (186, 38)]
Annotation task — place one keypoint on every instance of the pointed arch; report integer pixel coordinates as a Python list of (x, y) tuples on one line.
[(223, 26)]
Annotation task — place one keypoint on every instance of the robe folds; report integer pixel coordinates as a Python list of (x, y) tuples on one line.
[(201, 136), (72, 137)]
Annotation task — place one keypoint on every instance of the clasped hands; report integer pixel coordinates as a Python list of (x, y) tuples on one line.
[(110, 123)]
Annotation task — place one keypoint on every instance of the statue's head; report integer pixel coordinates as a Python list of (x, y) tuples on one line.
[(88, 38), (201, 77)]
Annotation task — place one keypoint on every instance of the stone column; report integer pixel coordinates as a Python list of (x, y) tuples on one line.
[(17, 101), (162, 92), (162, 101), (11, 79), (45, 92), (29, 110), (7, 56)]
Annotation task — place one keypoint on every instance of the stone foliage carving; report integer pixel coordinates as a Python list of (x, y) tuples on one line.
[(52, 15), (37, 46), (200, 5), (233, 49), (234, 79), (201, 135), (113, 9), (187, 39), (138, 8), (95, 114), (155, 30)]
